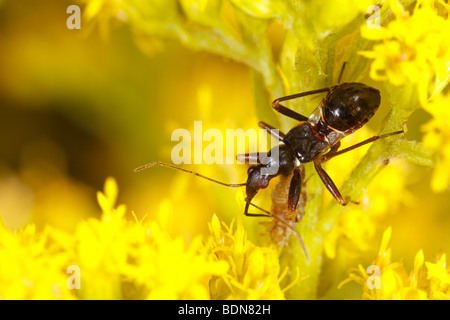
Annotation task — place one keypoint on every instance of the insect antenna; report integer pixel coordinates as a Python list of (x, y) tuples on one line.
[(231, 185), (163, 164)]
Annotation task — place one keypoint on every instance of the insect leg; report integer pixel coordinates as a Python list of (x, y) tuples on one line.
[(334, 153), (294, 115), (329, 184), (290, 113), (252, 158), (249, 214), (295, 190), (272, 130), (341, 73), (268, 214)]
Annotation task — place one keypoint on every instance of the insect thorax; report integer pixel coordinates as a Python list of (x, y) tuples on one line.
[(305, 144)]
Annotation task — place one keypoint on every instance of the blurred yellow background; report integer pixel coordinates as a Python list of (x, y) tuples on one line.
[(76, 108)]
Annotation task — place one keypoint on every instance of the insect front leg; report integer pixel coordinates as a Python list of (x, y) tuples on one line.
[(251, 158), (249, 214), (295, 189)]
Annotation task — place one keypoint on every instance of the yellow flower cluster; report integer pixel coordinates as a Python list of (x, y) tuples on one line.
[(354, 231), (254, 271), (414, 48), (120, 259), (139, 260), (427, 280), (31, 265), (415, 51), (116, 259)]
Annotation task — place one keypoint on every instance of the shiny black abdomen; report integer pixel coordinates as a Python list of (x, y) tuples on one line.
[(350, 106), (305, 144)]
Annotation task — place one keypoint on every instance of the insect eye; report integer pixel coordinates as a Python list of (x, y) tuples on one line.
[(263, 183), (250, 170)]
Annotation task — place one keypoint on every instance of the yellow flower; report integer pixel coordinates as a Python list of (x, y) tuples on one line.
[(103, 11), (169, 269), (254, 272), (390, 281), (327, 15), (437, 140), (31, 265), (351, 235), (354, 223), (394, 282), (355, 230), (439, 277), (131, 259), (414, 48)]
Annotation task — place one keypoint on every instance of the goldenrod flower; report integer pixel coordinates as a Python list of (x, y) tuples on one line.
[(414, 52), (414, 48), (356, 228), (394, 281), (116, 258), (115, 254), (354, 231), (254, 272), (439, 277), (31, 265)]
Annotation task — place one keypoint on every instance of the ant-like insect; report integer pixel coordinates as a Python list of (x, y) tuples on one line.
[(346, 108)]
